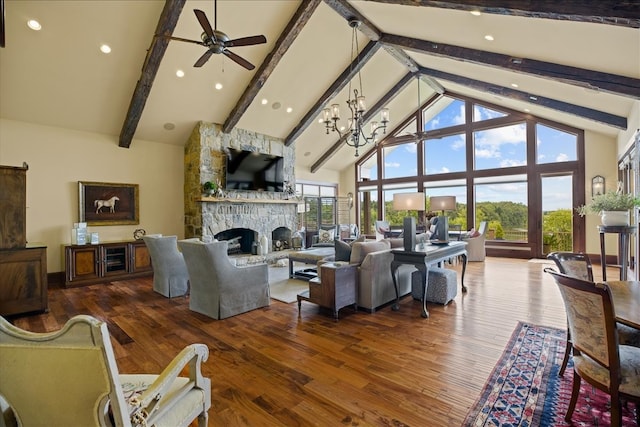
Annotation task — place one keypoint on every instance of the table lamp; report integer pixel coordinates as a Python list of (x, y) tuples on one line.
[(409, 202), (442, 203)]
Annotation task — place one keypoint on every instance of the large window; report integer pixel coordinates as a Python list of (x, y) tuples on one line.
[(503, 166)]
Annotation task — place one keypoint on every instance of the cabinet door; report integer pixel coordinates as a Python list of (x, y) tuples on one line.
[(83, 263), (115, 260), (140, 259), (13, 207), (23, 281)]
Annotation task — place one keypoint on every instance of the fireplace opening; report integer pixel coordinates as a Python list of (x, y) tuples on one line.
[(281, 238), (240, 240)]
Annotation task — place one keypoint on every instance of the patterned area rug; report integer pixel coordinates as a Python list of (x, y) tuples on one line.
[(524, 388)]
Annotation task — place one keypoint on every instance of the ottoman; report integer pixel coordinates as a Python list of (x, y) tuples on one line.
[(442, 285)]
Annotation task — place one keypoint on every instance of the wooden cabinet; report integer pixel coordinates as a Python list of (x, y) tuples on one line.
[(89, 264), (23, 280), (13, 207), (337, 287)]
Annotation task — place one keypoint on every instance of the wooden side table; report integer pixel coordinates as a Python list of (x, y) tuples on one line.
[(623, 231), (338, 288)]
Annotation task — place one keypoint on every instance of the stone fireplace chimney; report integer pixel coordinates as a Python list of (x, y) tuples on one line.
[(262, 212)]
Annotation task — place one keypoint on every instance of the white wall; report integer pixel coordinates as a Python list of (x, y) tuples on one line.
[(633, 125), (58, 158)]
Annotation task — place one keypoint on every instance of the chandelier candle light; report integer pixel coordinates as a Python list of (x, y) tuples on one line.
[(330, 116)]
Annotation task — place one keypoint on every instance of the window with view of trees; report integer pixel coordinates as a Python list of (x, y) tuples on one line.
[(519, 173)]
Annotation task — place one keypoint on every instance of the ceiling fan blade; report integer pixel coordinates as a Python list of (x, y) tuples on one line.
[(246, 41), (180, 39), (204, 22), (203, 59), (246, 64)]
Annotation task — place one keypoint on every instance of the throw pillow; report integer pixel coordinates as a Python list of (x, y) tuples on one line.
[(476, 233), (326, 236), (343, 250)]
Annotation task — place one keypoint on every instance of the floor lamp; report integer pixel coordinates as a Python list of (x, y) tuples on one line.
[(409, 202), (442, 203)]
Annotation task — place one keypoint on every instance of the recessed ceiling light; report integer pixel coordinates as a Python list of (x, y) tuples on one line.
[(105, 48), (276, 105), (488, 37), (514, 84), (307, 153), (169, 126), (289, 109), (264, 101), (475, 13), (533, 98), (180, 73), (320, 120), (526, 110), (218, 86), (342, 128), (34, 25)]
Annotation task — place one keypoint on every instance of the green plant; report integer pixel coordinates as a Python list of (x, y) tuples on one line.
[(210, 187), (609, 201), (549, 239)]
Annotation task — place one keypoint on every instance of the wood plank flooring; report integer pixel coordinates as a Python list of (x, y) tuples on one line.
[(270, 367)]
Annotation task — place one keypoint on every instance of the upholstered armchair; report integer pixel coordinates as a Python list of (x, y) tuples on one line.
[(219, 289), (475, 245), (170, 276), (70, 378)]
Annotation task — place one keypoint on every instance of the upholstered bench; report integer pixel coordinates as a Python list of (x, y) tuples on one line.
[(442, 285)]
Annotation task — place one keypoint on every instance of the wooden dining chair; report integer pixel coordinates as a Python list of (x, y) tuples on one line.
[(598, 358), (578, 265)]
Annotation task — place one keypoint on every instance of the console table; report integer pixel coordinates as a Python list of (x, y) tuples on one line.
[(624, 232), (421, 258)]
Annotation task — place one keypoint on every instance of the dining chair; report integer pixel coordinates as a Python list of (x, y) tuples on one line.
[(70, 378), (578, 265), (598, 358)]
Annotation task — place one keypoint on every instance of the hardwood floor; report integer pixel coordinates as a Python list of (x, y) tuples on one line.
[(270, 367)]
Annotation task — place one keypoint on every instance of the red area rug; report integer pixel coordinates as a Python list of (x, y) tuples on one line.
[(524, 388)]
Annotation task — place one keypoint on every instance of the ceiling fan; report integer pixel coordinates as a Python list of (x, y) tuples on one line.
[(218, 42)]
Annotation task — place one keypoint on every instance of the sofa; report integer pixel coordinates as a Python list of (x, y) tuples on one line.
[(375, 285)]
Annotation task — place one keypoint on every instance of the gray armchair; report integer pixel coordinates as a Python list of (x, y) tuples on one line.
[(219, 289), (170, 276)]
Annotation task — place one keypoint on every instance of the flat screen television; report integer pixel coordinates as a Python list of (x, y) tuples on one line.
[(253, 171)]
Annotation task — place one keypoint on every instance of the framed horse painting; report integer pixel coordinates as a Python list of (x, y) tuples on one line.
[(103, 203)]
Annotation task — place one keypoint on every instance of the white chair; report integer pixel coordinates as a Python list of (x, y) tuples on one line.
[(70, 378), (475, 245), (170, 276)]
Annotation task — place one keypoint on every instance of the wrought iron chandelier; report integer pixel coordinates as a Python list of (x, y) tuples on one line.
[(356, 136)]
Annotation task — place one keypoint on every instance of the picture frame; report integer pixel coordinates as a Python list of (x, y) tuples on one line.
[(104, 203)]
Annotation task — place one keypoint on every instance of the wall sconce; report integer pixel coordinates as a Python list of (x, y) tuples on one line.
[(597, 185)]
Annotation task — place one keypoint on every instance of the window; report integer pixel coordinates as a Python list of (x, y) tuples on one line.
[(554, 146), (480, 113), (368, 201), (456, 188), (500, 147), (400, 160), (445, 155), (502, 202), (448, 112), (368, 169), (393, 217)]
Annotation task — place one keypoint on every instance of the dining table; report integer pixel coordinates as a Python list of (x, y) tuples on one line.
[(626, 301)]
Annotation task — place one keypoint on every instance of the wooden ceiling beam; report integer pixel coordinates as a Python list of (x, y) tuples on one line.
[(284, 42), (397, 88), (610, 12), (166, 25), (608, 119), (343, 79), (627, 87)]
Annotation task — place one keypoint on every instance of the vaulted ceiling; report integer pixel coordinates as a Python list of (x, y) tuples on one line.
[(572, 63)]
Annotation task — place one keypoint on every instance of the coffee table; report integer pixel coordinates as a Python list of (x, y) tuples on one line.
[(309, 256)]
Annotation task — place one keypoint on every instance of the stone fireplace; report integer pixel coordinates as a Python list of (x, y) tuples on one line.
[(246, 214)]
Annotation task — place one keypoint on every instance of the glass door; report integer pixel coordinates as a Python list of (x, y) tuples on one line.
[(557, 214)]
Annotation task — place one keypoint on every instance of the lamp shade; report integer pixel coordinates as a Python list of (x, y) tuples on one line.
[(443, 203), (408, 201)]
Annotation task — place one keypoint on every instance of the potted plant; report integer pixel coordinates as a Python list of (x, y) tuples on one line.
[(549, 242), (210, 188), (612, 206)]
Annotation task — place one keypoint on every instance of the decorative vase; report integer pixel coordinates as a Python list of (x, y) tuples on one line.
[(615, 218), (264, 242)]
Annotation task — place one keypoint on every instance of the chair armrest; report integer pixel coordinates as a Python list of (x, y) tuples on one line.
[(145, 405)]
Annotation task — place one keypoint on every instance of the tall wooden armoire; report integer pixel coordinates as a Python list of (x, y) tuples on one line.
[(23, 266)]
